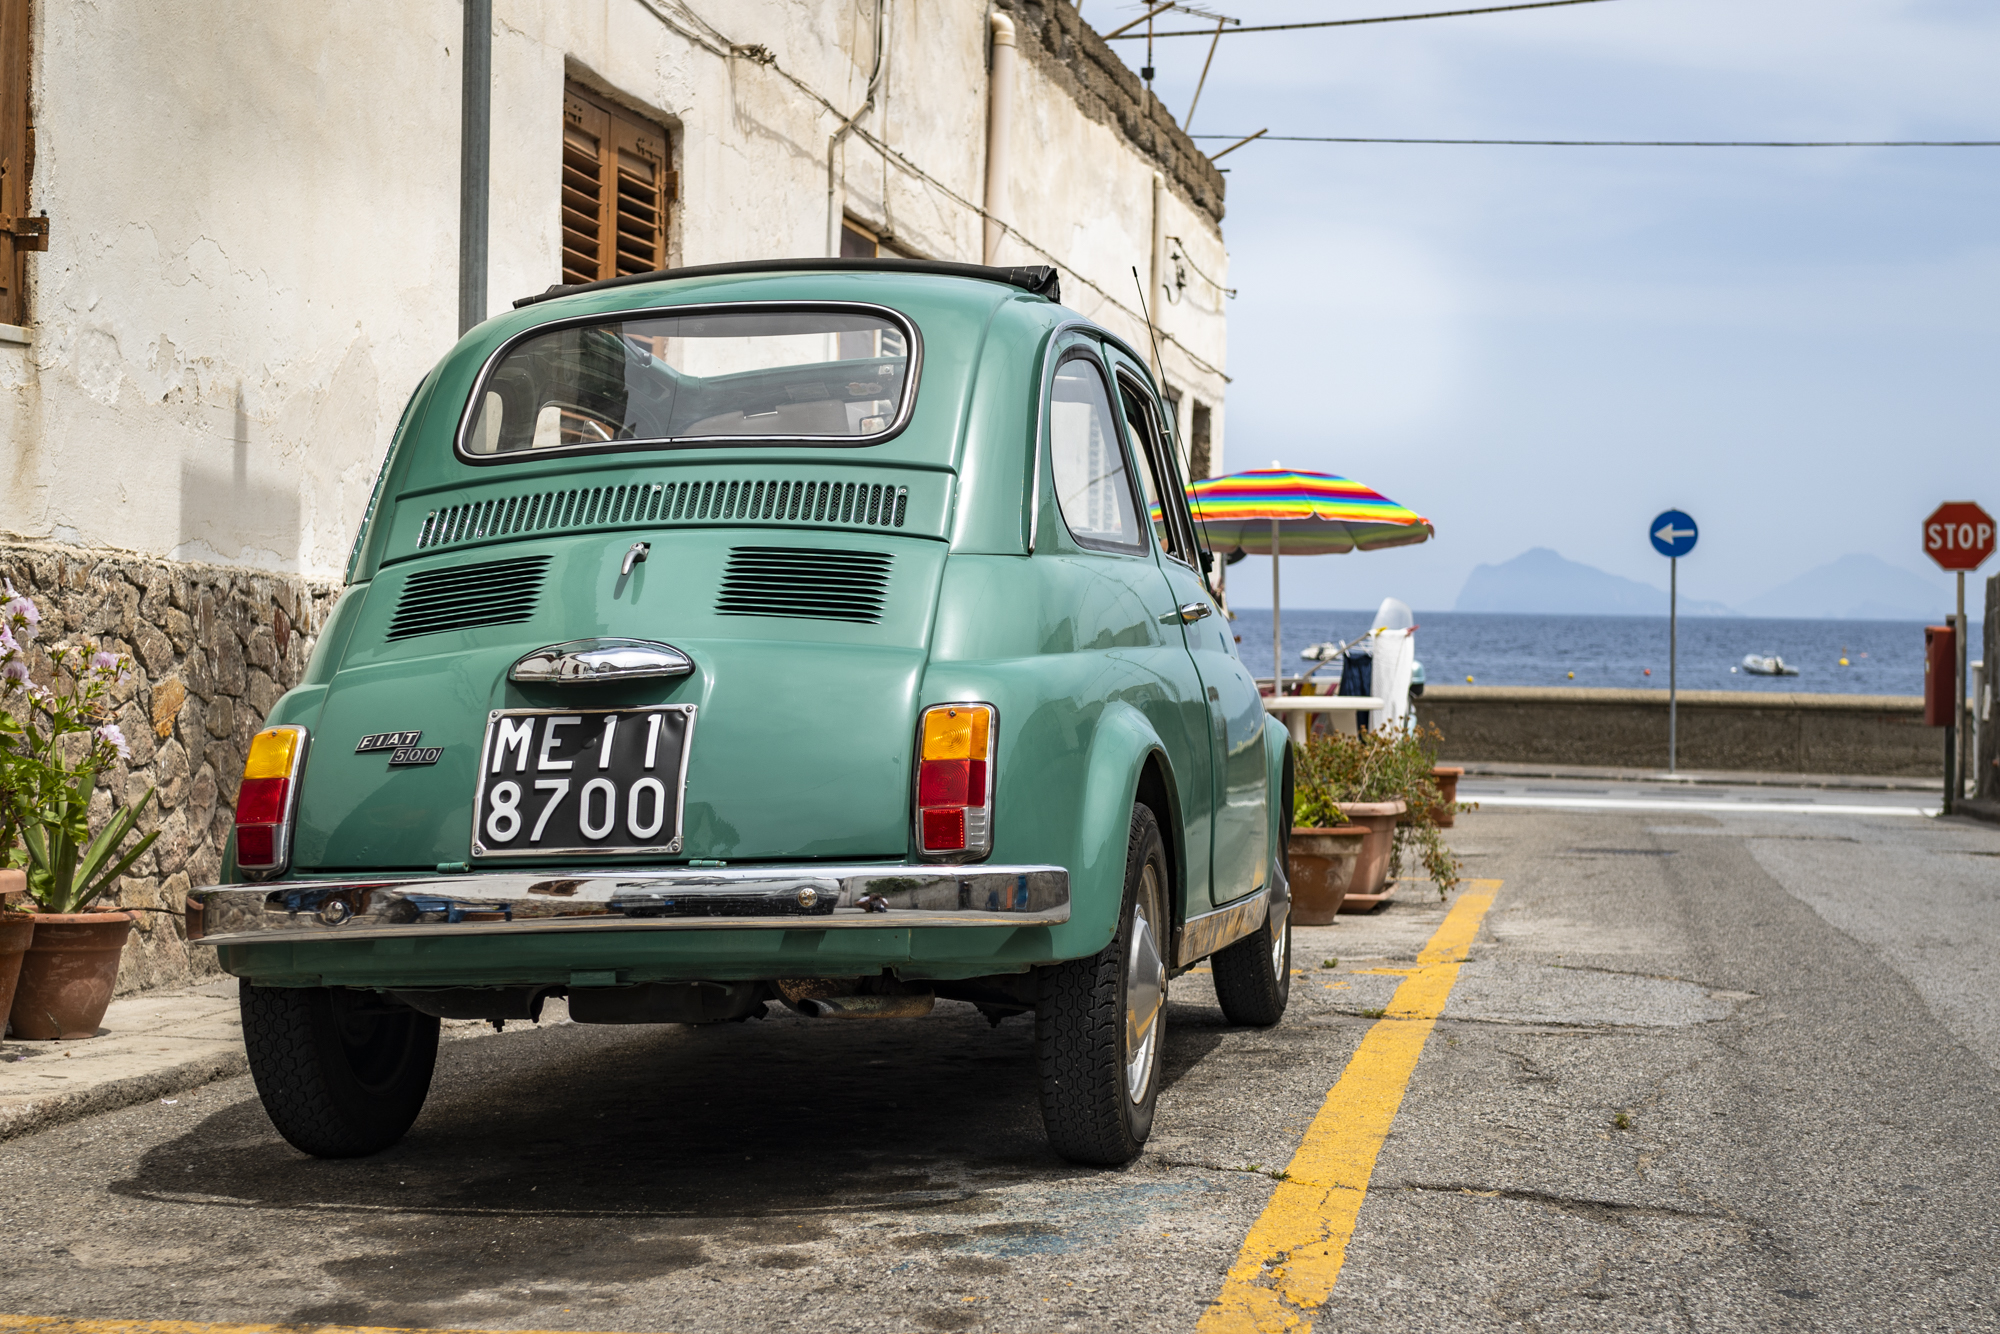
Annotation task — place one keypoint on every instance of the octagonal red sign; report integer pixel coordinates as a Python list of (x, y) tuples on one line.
[(1958, 535)]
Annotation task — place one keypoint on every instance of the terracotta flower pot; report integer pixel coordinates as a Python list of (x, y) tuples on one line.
[(16, 931), (1321, 867), (68, 973), (1371, 871), (1447, 776)]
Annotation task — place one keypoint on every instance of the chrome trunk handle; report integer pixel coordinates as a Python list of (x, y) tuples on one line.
[(583, 661)]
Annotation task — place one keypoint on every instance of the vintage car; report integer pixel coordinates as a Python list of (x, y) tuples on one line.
[(823, 633)]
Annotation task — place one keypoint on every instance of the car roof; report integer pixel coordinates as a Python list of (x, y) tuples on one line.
[(1039, 279)]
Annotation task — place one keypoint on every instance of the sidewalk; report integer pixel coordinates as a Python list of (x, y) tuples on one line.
[(156, 1044), (1718, 777), (153, 1045)]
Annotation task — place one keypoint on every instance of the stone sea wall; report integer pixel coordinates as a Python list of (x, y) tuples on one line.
[(212, 648), (1874, 735)]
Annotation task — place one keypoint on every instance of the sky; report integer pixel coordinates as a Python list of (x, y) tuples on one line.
[(1549, 346)]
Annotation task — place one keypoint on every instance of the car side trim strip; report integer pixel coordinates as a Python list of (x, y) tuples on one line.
[(1211, 931)]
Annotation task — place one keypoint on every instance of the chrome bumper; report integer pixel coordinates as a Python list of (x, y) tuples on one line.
[(796, 898)]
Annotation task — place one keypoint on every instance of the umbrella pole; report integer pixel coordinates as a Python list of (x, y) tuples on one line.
[(1277, 658)]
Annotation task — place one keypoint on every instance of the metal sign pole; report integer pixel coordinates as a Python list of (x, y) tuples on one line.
[(1277, 661), (1958, 700), (1673, 653)]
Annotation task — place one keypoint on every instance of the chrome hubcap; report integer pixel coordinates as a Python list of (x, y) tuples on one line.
[(1145, 991)]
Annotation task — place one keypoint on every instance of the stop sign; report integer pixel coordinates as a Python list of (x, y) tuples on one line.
[(1958, 535)]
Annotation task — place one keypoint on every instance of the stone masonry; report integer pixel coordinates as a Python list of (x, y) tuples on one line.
[(212, 649)]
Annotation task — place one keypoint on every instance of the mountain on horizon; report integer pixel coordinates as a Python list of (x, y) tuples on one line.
[(1542, 582), (1858, 588)]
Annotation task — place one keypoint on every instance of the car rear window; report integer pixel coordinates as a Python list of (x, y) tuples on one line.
[(829, 376)]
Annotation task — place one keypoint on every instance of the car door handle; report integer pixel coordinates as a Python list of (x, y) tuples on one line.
[(583, 661), (1194, 611)]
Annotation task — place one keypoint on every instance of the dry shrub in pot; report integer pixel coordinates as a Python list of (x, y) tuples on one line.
[(1385, 764)]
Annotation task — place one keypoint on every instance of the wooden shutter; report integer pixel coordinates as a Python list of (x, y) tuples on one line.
[(18, 232), (616, 186)]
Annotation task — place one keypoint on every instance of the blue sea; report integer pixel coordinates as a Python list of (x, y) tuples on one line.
[(1500, 649)]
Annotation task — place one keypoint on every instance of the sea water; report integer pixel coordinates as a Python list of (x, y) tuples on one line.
[(1504, 649)]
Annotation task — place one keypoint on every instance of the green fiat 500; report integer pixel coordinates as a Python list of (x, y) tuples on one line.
[(830, 634)]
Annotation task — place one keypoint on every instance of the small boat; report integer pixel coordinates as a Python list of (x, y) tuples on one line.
[(1759, 665)]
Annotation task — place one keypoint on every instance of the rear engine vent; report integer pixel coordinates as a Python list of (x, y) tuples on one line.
[(802, 582), (822, 504), (494, 592)]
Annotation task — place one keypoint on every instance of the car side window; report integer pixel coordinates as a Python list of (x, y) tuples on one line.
[(1155, 477), (1093, 489)]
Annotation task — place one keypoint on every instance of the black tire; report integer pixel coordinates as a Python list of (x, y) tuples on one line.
[(1099, 1049), (1253, 977), (341, 1073)]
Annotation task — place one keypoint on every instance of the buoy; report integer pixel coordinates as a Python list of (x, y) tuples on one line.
[(1732, 671), (1468, 680), (1648, 671), (1572, 676), (1843, 662)]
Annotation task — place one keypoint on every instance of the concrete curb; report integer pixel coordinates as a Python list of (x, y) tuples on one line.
[(29, 1118)]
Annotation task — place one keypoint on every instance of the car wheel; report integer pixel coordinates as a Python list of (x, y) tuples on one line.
[(340, 1073), (1100, 1023), (1253, 977)]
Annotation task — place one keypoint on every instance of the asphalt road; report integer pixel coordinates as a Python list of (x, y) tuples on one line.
[(1732, 1069)]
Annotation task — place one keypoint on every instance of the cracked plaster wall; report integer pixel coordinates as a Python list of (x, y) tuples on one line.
[(253, 261)]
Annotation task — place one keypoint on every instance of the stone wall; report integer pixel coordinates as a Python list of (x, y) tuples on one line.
[(1875, 735), (212, 647), (1107, 90)]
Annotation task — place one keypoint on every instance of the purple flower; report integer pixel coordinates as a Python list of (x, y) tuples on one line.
[(15, 668), (22, 613), (105, 663), (109, 732)]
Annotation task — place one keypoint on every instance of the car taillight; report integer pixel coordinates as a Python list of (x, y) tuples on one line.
[(265, 802), (955, 780)]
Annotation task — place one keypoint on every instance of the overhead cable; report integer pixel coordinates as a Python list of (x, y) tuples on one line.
[(1615, 143), (1123, 36)]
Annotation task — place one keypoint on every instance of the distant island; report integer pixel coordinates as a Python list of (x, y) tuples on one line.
[(1542, 582), (1856, 587)]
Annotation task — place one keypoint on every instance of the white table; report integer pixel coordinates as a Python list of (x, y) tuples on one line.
[(1296, 709)]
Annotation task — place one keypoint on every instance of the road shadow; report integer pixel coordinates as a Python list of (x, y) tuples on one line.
[(781, 1116)]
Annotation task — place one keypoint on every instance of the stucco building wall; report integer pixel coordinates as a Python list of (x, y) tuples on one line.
[(253, 260)]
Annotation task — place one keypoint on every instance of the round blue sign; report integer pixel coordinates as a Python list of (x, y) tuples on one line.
[(1673, 534)]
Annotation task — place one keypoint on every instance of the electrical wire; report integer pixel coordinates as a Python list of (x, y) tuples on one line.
[(1122, 36), (1626, 143)]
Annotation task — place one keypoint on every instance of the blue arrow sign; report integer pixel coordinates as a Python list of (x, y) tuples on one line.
[(1673, 534)]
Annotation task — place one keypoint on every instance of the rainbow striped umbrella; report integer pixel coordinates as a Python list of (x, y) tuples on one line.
[(1279, 511), (1300, 514)]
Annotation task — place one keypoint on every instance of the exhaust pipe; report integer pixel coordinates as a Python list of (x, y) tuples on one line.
[(869, 1007)]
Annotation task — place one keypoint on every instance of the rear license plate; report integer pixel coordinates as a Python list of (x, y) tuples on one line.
[(555, 781)]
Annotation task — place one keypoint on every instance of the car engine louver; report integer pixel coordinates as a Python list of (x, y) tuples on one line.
[(803, 582), (494, 592), (826, 504)]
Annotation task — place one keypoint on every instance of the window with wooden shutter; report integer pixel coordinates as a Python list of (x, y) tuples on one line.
[(19, 233), (617, 183)]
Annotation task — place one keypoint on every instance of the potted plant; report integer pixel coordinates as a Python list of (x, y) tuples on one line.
[(1381, 782), (55, 740)]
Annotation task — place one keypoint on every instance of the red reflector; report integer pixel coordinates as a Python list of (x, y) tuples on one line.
[(256, 845), (261, 801), (975, 785), (944, 831), (944, 783)]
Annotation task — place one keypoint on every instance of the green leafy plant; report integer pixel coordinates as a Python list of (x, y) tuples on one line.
[(1385, 764), (55, 739)]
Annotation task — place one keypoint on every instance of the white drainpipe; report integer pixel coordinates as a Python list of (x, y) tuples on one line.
[(999, 128), (1158, 267)]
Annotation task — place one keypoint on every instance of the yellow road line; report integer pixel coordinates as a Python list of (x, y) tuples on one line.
[(1292, 1257)]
